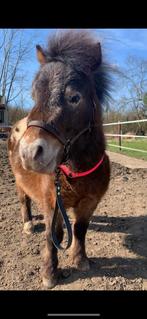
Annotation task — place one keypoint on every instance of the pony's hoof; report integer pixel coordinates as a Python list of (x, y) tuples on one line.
[(49, 283), (82, 264), (28, 228)]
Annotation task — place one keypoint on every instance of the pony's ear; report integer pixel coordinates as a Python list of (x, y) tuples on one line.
[(99, 52), (98, 56), (41, 56)]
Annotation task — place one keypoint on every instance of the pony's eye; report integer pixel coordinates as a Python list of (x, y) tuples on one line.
[(74, 99)]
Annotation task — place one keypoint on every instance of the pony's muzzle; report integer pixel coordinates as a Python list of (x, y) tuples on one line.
[(39, 155)]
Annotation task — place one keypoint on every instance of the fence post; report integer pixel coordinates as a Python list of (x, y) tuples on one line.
[(119, 137)]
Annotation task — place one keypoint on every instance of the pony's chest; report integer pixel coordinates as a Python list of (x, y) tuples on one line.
[(73, 191)]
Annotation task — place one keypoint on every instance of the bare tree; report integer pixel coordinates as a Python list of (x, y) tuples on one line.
[(14, 53), (134, 83)]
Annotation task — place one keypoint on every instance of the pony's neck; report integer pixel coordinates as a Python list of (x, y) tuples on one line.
[(86, 153)]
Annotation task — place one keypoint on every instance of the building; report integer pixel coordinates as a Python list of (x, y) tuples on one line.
[(3, 112)]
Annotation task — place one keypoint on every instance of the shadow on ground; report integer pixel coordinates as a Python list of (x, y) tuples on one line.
[(135, 229)]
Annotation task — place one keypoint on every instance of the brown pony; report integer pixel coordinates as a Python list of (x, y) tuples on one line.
[(68, 91)]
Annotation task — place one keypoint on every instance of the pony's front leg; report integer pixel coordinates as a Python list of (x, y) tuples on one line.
[(50, 258), (83, 212), (25, 202)]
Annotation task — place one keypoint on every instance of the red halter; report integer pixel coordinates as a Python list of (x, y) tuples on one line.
[(67, 171)]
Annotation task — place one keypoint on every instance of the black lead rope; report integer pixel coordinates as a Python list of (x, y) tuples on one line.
[(59, 208)]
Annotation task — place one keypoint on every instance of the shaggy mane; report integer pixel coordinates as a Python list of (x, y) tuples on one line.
[(82, 52)]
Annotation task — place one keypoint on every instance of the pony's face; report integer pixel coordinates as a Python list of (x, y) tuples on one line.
[(63, 94)]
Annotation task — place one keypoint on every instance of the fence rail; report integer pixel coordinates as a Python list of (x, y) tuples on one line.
[(126, 122), (5, 128), (126, 135), (129, 148), (120, 135)]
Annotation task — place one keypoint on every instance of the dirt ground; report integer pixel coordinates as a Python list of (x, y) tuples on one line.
[(116, 240)]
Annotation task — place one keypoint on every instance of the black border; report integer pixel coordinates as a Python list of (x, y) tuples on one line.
[(100, 14), (38, 304)]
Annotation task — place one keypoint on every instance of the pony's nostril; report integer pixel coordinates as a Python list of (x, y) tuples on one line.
[(38, 152), (23, 155)]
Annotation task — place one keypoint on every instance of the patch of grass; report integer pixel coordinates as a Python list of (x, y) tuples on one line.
[(132, 143)]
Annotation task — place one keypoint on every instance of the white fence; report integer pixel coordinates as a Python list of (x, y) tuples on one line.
[(120, 135), (5, 129)]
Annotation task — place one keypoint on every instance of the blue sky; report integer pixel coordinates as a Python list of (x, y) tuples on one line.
[(117, 44)]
